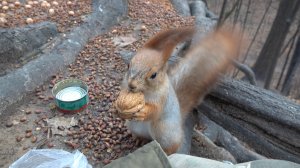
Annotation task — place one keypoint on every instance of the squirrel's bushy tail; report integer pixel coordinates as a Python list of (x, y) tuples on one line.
[(199, 70)]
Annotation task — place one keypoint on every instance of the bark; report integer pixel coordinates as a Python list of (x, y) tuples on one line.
[(267, 59), (223, 138), (267, 122), (292, 80), (204, 147)]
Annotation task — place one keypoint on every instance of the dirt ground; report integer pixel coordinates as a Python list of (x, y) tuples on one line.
[(29, 124)]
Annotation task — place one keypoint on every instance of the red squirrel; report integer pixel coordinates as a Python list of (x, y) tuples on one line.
[(170, 93)]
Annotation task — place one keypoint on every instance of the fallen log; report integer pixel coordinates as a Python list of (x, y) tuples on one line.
[(222, 137), (267, 122), (204, 147)]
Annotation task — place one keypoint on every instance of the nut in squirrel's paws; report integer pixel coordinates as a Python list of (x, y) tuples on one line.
[(129, 103)]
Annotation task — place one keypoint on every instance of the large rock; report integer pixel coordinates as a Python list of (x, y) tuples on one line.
[(18, 42)]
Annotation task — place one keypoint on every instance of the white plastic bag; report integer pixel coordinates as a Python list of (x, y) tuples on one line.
[(49, 158)]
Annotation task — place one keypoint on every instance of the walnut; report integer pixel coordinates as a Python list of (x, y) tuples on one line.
[(127, 101)]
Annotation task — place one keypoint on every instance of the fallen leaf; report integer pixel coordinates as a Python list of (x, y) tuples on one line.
[(123, 41), (58, 122)]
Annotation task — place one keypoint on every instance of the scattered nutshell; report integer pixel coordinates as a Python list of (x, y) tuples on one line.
[(71, 13), (33, 139), (43, 4), (28, 134), (114, 31), (55, 3), (9, 124), (11, 5), (50, 145), (38, 111), (4, 3), (61, 128), (17, 3), (19, 138), (29, 20), (27, 112), (5, 7), (30, 2), (69, 3), (35, 2), (3, 20), (51, 11), (48, 5), (15, 122), (2, 15), (23, 119), (28, 6), (28, 130), (143, 28), (38, 128)]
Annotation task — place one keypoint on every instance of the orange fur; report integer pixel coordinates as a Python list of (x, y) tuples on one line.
[(172, 149), (166, 41), (195, 75), (149, 112)]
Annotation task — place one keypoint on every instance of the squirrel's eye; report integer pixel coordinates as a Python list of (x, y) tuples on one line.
[(128, 66), (153, 75)]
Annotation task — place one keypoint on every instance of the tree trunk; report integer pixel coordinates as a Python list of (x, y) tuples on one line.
[(292, 81), (267, 59)]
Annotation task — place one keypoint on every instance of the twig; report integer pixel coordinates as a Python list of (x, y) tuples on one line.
[(242, 36), (257, 30), (292, 41), (222, 13), (41, 143), (228, 14), (250, 75), (237, 12), (48, 132)]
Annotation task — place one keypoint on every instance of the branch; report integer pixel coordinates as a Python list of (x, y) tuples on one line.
[(247, 71), (204, 147)]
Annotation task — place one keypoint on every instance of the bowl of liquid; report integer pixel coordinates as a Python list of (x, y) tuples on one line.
[(70, 95)]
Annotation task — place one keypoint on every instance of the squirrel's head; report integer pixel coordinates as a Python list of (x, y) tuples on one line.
[(148, 68)]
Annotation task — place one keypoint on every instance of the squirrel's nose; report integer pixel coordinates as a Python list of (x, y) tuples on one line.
[(132, 85)]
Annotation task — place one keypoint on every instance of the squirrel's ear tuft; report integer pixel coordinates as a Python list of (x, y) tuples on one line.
[(165, 41)]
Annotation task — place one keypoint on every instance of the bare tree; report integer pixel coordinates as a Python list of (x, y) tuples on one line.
[(267, 59), (292, 80)]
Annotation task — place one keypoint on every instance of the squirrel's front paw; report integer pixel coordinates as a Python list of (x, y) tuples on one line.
[(129, 113), (141, 115)]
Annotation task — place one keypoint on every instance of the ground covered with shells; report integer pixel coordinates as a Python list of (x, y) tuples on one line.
[(97, 131), (67, 14)]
